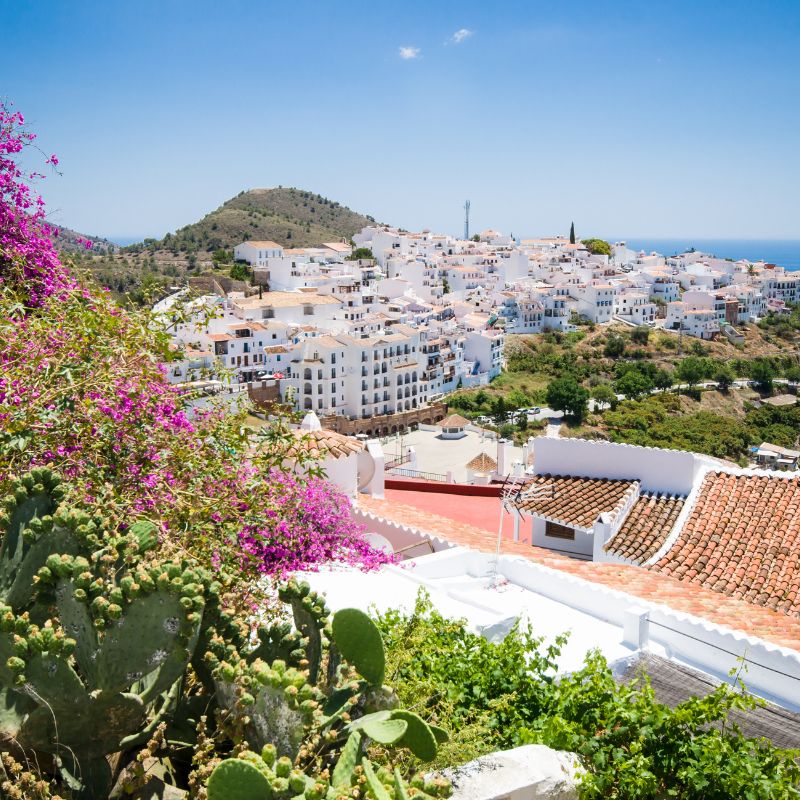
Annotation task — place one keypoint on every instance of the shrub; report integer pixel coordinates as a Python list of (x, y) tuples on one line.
[(615, 346), (240, 272), (640, 335), (632, 747)]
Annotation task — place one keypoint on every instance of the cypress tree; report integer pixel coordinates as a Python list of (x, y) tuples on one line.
[(572, 233)]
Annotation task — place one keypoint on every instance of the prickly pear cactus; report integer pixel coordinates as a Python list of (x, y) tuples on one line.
[(92, 680), (310, 616), (254, 777)]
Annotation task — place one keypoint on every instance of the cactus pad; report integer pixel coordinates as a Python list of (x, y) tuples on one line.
[(359, 641), (236, 779)]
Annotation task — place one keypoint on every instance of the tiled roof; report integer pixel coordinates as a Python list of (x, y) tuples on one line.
[(646, 584), (264, 244), (646, 527), (454, 421), (575, 501), (742, 539), (324, 444), (482, 463)]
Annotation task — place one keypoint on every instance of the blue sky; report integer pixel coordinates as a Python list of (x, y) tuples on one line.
[(634, 119)]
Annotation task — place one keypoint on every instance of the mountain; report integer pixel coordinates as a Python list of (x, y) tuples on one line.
[(290, 217), (68, 241), (148, 269)]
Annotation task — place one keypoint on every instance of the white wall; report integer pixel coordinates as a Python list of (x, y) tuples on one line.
[(582, 544), (671, 471), (343, 472)]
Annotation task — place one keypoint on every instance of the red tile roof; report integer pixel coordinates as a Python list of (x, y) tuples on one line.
[(646, 527), (646, 584), (454, 421), (324, 444), (742, 539), (482, 463), (575, 501)]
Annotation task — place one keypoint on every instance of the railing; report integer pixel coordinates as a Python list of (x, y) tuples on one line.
[(397, 461), (416, 473)]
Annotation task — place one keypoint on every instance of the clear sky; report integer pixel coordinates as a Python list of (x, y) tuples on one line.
[(632, 118)]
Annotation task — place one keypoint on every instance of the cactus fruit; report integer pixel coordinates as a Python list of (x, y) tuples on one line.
[(359, 641), (310, 616)]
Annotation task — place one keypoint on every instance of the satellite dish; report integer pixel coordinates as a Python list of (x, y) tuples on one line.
[(378, 542), (366, 468)]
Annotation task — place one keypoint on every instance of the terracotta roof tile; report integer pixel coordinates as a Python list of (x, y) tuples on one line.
[(324, 444), (575, 501), (482, 463), (742, 539), (454, 421), (646, 527), (646, 584)]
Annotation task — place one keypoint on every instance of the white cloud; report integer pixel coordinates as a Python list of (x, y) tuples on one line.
[(461, 35), (407, 53)]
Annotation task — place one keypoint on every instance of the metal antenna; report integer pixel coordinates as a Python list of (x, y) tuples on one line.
[(512, 493), (466, 220)]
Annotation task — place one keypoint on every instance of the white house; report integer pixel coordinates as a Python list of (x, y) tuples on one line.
[(256, 253)]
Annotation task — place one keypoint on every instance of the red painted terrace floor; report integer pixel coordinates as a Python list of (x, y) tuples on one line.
[(480, 512)]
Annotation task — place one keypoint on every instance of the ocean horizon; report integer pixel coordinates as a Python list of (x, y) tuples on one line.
[(781, 252)]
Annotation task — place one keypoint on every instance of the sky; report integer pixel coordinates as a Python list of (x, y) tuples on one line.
[(632, 119)]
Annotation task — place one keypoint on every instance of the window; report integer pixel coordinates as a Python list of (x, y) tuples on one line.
[(556, 531)]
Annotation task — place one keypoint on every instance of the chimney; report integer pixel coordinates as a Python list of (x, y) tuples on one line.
[(503, 457)]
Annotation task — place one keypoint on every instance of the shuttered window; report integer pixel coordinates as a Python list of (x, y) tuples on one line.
[(556, 531)]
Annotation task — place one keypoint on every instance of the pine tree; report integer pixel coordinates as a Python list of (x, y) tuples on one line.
[(572, 233)]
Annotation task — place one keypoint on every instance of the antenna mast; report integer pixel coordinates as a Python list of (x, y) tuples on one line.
[(466, 220)]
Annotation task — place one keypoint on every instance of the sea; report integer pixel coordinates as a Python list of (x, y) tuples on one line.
[(782, 252)]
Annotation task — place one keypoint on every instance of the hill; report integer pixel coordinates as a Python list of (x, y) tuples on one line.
[(290, 217), (68, 241)]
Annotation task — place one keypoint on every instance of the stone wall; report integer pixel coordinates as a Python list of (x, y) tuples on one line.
[(385, 424)]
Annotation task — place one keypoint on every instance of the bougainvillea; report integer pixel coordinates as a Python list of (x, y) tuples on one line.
[(83, 388), (26, 252)]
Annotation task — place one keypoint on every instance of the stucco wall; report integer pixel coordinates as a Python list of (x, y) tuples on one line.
[(582, 544), (669, 471)]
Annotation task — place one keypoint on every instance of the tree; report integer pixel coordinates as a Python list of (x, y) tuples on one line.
[(792, 374), (690, 370), (662, 380), (615, 346), (633, 384), (240, 272), (359, 253), (572, 233), (597, 247), (603, 393), (725, 376), (476, 237), (499, 409), (567, 395), (640, 335), (763, 373)]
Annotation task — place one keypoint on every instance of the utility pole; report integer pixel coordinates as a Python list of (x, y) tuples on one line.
[(466, 220)]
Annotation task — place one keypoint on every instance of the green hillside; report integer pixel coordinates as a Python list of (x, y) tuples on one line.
[(66, 240), (290, 217)]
